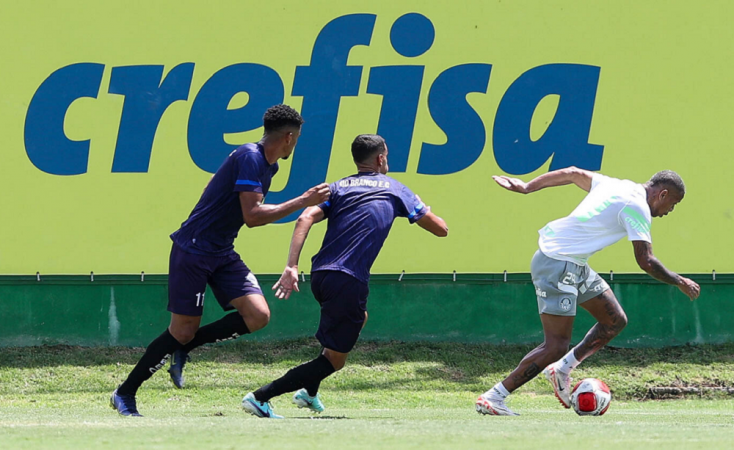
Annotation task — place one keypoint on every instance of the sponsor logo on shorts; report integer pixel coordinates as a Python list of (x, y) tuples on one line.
[(540, 293), (565, 303), (598, 288)]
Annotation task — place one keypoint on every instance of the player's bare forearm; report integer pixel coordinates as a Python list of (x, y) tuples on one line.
[(433, 224), (561, 177), (256, 213), (262, 214), (579, 177), (657, 270), (650, 264), (300, 233)]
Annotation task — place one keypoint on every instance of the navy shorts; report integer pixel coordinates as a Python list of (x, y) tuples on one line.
[(343, 300), (188, 275)]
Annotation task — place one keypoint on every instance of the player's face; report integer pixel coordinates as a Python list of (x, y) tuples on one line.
[(384, 167), (665, 203), (291, 138)]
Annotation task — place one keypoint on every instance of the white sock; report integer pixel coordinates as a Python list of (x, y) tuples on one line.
[(567, 363), (499, 390)]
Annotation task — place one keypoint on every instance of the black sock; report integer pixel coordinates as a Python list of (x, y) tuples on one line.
[(313, 388), (154, 358), (227, 328), (306, 374)]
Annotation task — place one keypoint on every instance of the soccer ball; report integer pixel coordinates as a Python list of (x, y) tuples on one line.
[(590, 397)]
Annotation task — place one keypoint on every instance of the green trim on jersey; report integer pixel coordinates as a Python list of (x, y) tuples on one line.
[(596, 211), (636, 220)]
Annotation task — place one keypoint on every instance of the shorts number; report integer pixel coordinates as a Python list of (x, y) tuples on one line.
[(200, 299), (569, 279)]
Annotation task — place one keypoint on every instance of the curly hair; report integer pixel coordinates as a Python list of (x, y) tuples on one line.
[(281, 116), (670, 179)]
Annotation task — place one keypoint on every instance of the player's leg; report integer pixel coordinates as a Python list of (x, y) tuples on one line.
[(186, 285), (596, 297), (343, 301), (235, 287), (556, 293), (611, 320), (557, 332), (337, 359)]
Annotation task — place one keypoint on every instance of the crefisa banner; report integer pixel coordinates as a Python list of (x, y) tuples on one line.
[(114, 116)]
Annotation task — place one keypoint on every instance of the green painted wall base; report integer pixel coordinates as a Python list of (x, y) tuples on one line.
[(123, 310)]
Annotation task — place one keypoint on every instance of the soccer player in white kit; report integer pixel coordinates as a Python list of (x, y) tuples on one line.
[(612, 210)]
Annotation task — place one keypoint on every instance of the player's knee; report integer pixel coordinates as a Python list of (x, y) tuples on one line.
[(337, 360), (257, 320), (338, 363), (620, 322), (183, 335), (339, 366)]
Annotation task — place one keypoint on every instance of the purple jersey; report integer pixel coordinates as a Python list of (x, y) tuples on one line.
[(215, 221), (360, 212)]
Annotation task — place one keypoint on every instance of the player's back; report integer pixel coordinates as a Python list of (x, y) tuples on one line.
[(612, 209), (213, 225), (360, 214)]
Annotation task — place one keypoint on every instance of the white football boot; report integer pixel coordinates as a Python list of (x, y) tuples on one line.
[(561, 383), (493, 405)]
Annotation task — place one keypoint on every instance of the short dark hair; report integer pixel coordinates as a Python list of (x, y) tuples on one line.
[(366, 146), (670, 179), (281, 116)]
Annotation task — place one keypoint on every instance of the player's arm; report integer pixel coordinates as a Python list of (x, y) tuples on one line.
[(433, 224), (561, 177), (256, 213), (650, 264), (288, 281)]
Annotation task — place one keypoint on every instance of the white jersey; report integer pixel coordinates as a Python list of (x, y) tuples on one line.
[(612, 210)]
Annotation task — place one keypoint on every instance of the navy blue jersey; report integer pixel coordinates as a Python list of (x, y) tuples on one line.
[(360, 213), (215, 221)]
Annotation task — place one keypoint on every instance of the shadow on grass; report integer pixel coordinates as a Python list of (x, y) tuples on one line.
[(456, 362)]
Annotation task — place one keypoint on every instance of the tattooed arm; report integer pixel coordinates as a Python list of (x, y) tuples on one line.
[(650, 264)]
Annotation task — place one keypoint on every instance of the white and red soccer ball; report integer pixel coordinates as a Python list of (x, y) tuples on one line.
[(590, 397)]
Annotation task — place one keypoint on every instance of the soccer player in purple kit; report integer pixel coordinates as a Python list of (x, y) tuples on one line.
[(203, 253), (360, 213)]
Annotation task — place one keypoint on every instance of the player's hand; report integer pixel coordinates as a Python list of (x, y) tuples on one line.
[(287, 283), (511, 184), (317, 194), (689, 287)]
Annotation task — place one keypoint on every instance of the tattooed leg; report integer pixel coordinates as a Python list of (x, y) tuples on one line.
[(557, 330), (611, 320)]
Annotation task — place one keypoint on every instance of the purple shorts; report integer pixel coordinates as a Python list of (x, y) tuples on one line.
[(188, 275), (343, 300)]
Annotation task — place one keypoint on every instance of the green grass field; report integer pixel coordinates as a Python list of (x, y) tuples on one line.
[(390, 395)]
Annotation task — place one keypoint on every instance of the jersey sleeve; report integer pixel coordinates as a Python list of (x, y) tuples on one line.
[(637, 222), (411, 206), (326, 206), (249, 170), (597, 179)]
